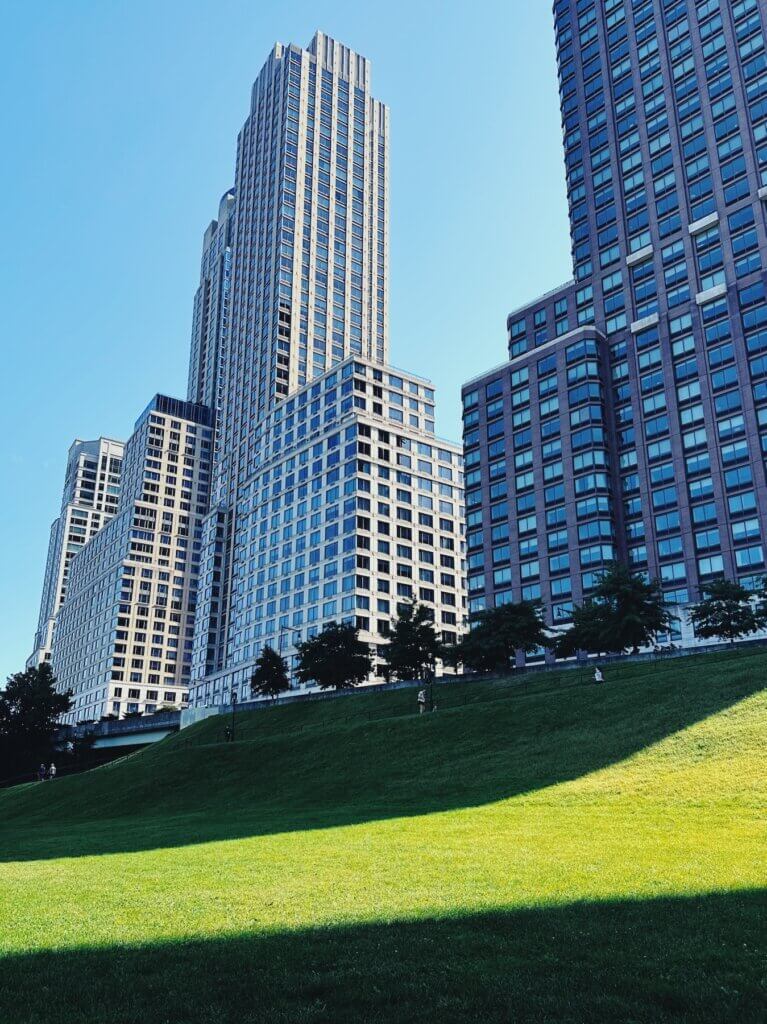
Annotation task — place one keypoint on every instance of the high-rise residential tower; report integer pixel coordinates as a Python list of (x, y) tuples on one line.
[(310, 236), (631, 418), (91, 492), (212, 310), (288, 544), (356, 507), (123, 636)]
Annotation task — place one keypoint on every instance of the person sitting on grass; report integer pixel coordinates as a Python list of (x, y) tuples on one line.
[(598, 677)]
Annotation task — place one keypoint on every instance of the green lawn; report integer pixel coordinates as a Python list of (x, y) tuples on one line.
[(548, 851)]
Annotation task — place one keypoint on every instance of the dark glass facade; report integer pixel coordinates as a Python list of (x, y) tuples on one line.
[(631, 418)]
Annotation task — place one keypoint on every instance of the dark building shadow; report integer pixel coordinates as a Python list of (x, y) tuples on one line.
[(305, 767), (668, 960)]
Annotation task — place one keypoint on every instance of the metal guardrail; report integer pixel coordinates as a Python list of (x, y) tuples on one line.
[(528, 669), (520, 676), (518, 684), (121, 726)]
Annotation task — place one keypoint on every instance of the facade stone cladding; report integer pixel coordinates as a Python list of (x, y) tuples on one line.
[(89, 500), (123, 636)]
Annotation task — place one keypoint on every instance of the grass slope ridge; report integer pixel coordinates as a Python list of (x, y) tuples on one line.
[(551, 851)]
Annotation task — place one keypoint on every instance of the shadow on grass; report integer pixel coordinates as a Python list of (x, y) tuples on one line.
[(295, 769), (670, 960)]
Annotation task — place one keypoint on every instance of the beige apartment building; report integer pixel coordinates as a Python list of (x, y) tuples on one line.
[(91, 493), (123, 635)]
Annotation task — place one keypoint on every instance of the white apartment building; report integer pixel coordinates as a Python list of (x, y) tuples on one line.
[(89, 500), (356, 508), (123, 636)]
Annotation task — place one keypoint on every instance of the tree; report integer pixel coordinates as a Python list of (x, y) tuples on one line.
[(589, 631), (637, 605), (498, 633), (414, 644), (271, 675), (29, 709), (334, 659), (726, 611), (624, 614)]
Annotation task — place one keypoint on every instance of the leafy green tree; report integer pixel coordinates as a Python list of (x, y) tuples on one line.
[(634, 609), (726, 611), (29, 710), (479, 650), (589, 631), (498, 633), (414, 644), (271, 675), (624, 613), (334, 659), (638, 608)]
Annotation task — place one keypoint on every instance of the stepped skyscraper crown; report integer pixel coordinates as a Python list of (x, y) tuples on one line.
[(310, 232)]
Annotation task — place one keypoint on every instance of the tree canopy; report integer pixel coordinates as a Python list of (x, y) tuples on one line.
[(30, 707), (624, 613), (726, 610), (498, 633), (589, 631), (270, 677), (334, 659), (414, 644)]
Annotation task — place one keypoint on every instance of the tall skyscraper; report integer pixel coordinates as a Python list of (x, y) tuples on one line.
[(91, 492), (631, 418), (212, 310), (310, 236), (303, 372), (123, 636)]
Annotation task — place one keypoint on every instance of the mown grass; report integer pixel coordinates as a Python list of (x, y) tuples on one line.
[(553, 851)]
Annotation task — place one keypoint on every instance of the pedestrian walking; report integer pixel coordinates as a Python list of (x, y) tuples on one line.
[(41, 773), (421, 702), (598, 677), (52, 771)]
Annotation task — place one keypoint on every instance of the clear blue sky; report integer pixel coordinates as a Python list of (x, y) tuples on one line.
[(119, 124)]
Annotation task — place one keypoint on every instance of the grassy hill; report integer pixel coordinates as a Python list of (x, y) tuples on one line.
[(552, 851)]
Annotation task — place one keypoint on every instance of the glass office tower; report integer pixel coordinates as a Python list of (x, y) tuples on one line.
[(630, 421)]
